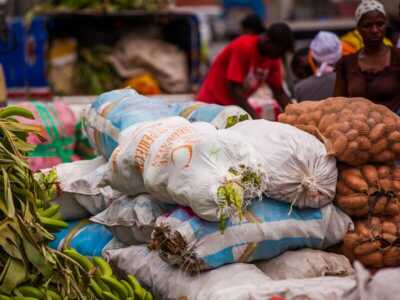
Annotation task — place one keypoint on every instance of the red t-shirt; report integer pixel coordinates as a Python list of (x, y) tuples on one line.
[(240, 62)]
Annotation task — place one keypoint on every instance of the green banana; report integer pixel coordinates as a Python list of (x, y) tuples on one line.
[(103, 265), (13, 110), (148, 296), (53, 295), (109, 296), (114, 284), (30, 291), (53, 224), (96, 289), (101, 284), (25, 298), (131, 292), (79, 258), (4, 297), (139, 291), (51, 211)]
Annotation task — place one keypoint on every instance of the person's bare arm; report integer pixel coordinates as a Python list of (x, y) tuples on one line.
[(237, 92), (281, 97)]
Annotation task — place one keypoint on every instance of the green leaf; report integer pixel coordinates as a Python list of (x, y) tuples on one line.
[(13, 274), (8, 195)]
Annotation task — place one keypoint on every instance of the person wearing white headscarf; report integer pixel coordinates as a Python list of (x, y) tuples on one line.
[(325, 52), (374, 71)]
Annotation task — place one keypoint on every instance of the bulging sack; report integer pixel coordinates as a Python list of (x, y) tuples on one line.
[(369, 190), (132, 219), (299, 169), (355, 130), (81, 193), (268, 230), (214, 172), (374, 242), (87, 238), (306, 263), (114, 111)]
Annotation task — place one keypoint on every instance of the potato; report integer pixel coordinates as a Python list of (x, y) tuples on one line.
[(384, 172), (385, 184), (396, 185), (379, 146), (392, 208), (342, 127), (339, 143), (376, 116), (391, 256), (396, 173), (292, 109), (395, 148), (355, 182), (374, 259), (351, 240), (304, 118), (384, 157), (377, 132), (352, 134), (389, 227), (380, 205), (343, 189), (390, 123), (361, 126), (360, 212), (371, 123), (394, 137), (353, 146), (389, 237), (367, 248), (316, 116), (363, 143), (326, 121), (370, 173), (363, 230), (352, 202)]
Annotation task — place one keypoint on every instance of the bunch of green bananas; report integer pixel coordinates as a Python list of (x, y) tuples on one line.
[(49, 213), (104, 285), (25, 258)]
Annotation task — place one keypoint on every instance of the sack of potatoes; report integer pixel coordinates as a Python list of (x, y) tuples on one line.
[(374, 242), (355, 130), (369, 190)]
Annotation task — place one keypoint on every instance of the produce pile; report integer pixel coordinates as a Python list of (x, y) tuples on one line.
[(29, 268), (100, 5), (365, 139), (356, 131)]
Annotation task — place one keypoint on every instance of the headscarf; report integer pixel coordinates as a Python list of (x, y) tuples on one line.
[(367, 6), (326, 49)]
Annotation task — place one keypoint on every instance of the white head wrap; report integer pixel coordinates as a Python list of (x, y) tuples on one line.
[(326, 49), (367, 6)]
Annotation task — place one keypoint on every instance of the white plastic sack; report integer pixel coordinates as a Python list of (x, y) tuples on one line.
[(80, 192), (384, 285), (306, 263), (233, 282), (300, 171), (131, 219), (266, 231), (212, 171)]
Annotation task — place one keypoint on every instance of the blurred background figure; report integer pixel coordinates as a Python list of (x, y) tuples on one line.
[(325, 52), (374, 71), (246, 63), (252, 24), (300, 65)]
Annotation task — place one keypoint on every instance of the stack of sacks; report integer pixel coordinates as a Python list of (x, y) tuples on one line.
[(365, 138), (114, 111)]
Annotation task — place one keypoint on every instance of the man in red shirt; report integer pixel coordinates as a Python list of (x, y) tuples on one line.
[(245, 64)]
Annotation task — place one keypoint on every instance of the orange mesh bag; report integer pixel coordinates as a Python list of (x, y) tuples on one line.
[(355, 130), (374, 242), (369, 190)]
